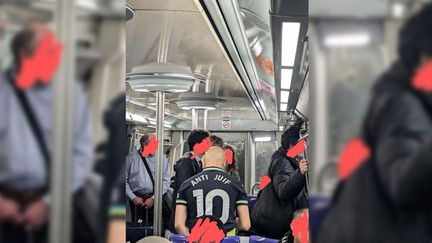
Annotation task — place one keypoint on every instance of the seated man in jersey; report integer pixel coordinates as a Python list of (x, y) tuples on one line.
[(214, 193)]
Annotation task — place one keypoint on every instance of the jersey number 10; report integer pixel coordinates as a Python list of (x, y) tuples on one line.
[(199, 195)]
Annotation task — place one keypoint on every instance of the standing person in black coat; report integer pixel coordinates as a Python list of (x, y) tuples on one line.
[(187, 167), (389, 197), (273, 212)]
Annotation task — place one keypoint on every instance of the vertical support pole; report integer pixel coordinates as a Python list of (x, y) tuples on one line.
[(319, 110), (207, 90), (60, 220), (160, 111), (195, 112), (250, 167), (194, 119)]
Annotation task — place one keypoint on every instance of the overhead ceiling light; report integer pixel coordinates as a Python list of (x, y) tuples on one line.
[(286, 76), (284, 96), (162, 77), (348, 40), (145, 120), (283, 107), (398, 10), (137, 118), (290, 36), (89, 5), (154, 126), (199, 101), (263, 139)]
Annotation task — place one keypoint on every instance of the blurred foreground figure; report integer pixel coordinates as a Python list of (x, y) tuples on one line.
[(274, 210), (389, 197), (25, 144)]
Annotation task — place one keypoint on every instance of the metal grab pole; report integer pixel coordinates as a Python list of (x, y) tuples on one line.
[(60, 220), (164, 40), (207, 90), (305, 156), (194, 119), (160, 110), (195, 112)]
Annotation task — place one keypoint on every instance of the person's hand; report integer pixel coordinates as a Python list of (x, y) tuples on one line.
[(149, 202), (304, 166), (9, 210), (137, 201), (35, 215)]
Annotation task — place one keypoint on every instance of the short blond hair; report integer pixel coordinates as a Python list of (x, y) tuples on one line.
[(215, 156)]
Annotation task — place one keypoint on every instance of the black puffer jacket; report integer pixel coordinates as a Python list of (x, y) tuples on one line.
[(273, 212), (389, 198)]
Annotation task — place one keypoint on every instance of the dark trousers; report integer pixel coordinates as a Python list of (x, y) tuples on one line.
[(141, 214), (11, 233)]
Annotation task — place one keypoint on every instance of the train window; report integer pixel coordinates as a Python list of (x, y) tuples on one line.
[(263, 152)]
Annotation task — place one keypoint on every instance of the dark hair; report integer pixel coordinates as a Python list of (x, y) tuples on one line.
[(234, 164), (145, 139), (415, 37), (216, 141), (23, 41), (196, 136), (290, 137)]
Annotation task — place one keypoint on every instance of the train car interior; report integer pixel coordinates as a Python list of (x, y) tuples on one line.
[(236, 68), (240, 69)]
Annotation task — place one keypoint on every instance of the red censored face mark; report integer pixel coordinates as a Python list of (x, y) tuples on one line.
[(300, 228), (265, 180), (423, 78), (150, 149), (206, 231), (41, 66), (296, 149), (202, 147), (229, 156), (353, 155)]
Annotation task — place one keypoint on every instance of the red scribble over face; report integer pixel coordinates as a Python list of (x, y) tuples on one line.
[(265, 180), (41, 66), (353, 155), (423, 78), (151, 147), (206, 232), (296, 149), (229, 156), (300, 227), (202, 147)]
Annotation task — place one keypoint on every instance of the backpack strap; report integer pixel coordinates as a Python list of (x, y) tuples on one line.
[(148, 171), (34, 125)]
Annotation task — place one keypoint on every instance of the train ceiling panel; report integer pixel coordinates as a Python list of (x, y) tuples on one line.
[(164, 5), (291, 59), (192, 43), (243, 28)]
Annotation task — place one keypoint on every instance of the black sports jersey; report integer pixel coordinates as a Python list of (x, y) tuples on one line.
[(212, 192)]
